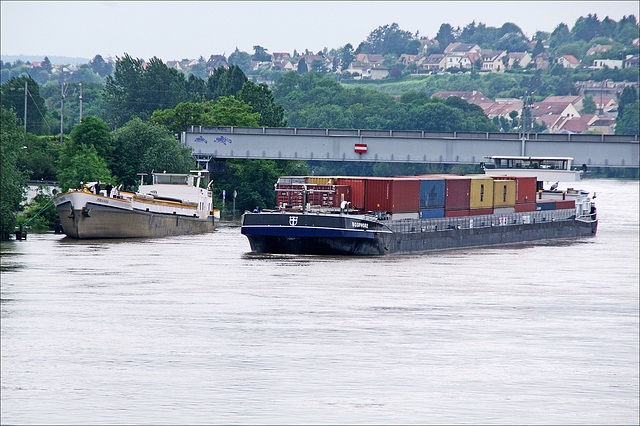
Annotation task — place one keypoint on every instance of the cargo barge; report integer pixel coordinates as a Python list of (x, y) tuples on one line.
[(174, 204), (381, 216)]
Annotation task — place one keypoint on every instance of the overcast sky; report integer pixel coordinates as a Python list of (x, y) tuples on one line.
[(174, 30)]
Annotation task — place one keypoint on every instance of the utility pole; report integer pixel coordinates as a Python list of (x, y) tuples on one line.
[(26, 90), (62, 96), (80, 103)]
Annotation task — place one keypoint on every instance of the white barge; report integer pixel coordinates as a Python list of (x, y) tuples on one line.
[(174, 204)]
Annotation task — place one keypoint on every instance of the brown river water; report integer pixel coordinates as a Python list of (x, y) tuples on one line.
[(198, 330)]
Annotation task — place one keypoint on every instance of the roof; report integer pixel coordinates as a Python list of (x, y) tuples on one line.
[(474, 97), (571, 59)]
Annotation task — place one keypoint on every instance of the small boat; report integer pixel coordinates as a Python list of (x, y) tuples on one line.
[(547, 169), (174, 204)]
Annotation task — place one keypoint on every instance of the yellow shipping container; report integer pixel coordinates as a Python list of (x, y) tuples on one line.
[(504, 193), (481, 194), (320, 180)]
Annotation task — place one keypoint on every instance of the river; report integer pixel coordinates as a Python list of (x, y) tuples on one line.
[(198, 330)]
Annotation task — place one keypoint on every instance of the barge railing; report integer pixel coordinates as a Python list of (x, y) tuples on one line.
[(480, 221)]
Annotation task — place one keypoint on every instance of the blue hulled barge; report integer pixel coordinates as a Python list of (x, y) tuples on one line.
[(316, 215)]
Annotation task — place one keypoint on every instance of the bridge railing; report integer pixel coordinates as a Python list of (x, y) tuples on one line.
[(413, 134)]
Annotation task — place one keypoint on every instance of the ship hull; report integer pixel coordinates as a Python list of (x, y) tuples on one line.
[(102, 217), (271, 233)]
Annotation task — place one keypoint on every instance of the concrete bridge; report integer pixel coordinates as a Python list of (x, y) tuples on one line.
[(404, 146)]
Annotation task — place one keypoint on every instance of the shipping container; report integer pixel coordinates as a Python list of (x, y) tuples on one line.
[(457, 190), (406, 195), (431, 213), (377, 194), (478, 212), (545, 205), (432, 193), (394, 195), (291, 180), (357, 186), (504, 210), (525, 207), (343, 193), (526, 187), (504, 193), (565, 204), (400, 216), (456, 213), (481, 192), (321, 180)]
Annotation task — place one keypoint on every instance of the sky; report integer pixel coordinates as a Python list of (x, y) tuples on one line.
[(174, 30)]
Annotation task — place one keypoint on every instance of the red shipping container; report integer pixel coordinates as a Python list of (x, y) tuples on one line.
[(357, 190), (395, 195), (526, 188), (343, 193), (456, 213), (565, 204), (525, 207), (457, 190), (406, 195), (478, 212), (377, 194)]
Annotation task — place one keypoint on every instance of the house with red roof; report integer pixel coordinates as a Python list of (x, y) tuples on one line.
[(569, 61)]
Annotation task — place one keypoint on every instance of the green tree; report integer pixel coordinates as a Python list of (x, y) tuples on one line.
[(12, 184), (142, 147), (346, 55), (38, 161), (627, 121), (445, 36), (100, 66), (80, 165), (241, 59), (302, 66), (588, 105), (261, 100), (225, 82), (260, 54), (389, 39), (124, 93), (13, 98), (560, 35), (93, 132), (227, 111), (586, 29)]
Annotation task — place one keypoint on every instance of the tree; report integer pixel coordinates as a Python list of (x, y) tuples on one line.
[(586, 29), (38, 161), (123, 94), (12, 184), (445, 35), (81, 165), (302, 66), (261, 100), (389, 39), (100, 66), (93, 132), (225, 82), (346, 55), (144, 147), (260, 54), (241, 59), (588, 105), (13, 97), (46, 64), (560, 36), (627, 121)]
